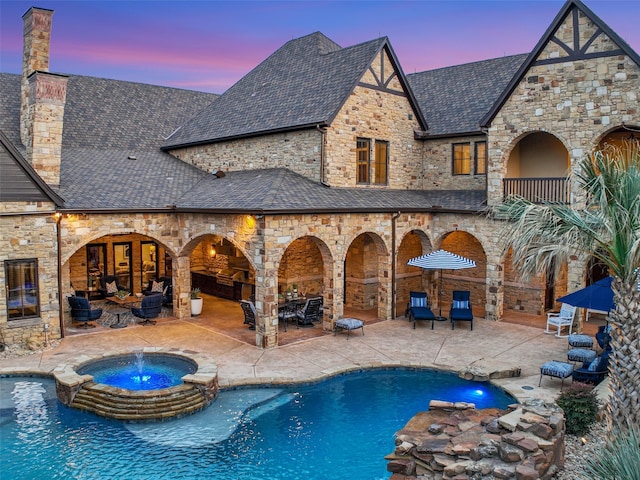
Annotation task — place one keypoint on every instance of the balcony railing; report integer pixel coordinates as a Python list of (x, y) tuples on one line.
[(538, 190)]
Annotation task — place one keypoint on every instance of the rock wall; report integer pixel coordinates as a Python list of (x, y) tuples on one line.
[(456, 441)]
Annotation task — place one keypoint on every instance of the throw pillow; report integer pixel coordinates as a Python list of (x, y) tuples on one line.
[(464, 304), (418, 302), (593, 366), (111, 287), (157, 286)]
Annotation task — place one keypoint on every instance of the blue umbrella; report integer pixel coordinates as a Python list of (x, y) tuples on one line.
[(598, 296)]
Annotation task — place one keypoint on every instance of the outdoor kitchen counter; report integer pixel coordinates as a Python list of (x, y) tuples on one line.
[(208, 282)]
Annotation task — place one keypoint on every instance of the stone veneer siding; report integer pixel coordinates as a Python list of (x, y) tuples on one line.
[(578, 101), (47, 96), (375, 114), (36, 29), (27, 237), (438, 165), (299, 151)]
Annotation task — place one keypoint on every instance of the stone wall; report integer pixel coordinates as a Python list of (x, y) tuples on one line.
[(28, 237), (377, 114), (299, 151), (456, 441), (438, 165), (301, 267), (577, 101)]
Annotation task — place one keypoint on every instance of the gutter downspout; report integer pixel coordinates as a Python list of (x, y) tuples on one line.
[(393, 264), (58, 216)]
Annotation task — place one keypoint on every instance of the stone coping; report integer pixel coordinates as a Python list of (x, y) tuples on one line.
[(207, 366), (206, 369)]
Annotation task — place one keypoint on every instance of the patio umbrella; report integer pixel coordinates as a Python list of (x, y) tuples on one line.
[(441, 260), (597, 296)]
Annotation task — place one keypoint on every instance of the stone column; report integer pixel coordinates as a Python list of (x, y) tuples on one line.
[(182, 287), (494, 306), (35, 57), (45, 115)]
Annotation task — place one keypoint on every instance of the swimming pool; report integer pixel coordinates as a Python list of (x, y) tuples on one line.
[(335, 429)]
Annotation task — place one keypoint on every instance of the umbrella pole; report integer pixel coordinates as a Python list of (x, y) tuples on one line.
[(440, 317)]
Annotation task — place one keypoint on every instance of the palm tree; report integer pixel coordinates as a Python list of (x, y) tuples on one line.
[(605, 225)]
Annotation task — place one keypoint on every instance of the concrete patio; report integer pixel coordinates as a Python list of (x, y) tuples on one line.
[(310, 354)]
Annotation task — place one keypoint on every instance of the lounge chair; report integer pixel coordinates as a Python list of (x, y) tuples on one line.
[(461, 310), (82, 312), (151, 307), (561, 319), (419, 308), (593, 372)]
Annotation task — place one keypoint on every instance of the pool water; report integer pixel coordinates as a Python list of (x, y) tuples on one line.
[(139, 372), (338, 428)]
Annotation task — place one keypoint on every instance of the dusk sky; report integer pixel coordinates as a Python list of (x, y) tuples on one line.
[(209, 45)]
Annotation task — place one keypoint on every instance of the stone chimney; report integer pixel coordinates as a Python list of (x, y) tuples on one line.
[(43, 97)]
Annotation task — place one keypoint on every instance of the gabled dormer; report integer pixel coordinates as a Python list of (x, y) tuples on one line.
[(576, 88), (309, 107), (370, 140), (575, 35)]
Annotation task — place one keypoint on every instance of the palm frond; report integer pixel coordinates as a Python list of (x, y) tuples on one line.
[(606, 226)]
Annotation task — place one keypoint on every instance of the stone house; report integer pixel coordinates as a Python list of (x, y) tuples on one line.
[(324, 168)]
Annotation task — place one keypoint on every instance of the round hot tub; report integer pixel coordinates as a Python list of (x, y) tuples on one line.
[(139, 371), (147, 385)]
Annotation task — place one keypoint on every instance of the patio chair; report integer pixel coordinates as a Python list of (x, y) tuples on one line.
[(594, 371), (82, 312), (151, 307), (288, 313), (109, 285), (249, 310), (419, 308), (311, 312), (603, 337), (561, 319), (461, 310), (162, 285)]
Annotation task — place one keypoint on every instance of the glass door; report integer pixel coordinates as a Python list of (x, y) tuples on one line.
[(149, 262), (96, 261), (122, 263)]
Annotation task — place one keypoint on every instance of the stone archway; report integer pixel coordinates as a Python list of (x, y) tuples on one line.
[(366, 282), (538, 168), (472, 279), (408, 279), (306, 266)]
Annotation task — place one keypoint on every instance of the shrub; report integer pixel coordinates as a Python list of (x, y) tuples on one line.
[(580, 407), (618, 460)]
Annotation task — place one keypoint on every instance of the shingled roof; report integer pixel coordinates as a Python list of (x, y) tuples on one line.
[(279, 190), (303, 84), (454, 99), (105, 123), (111, 160)]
